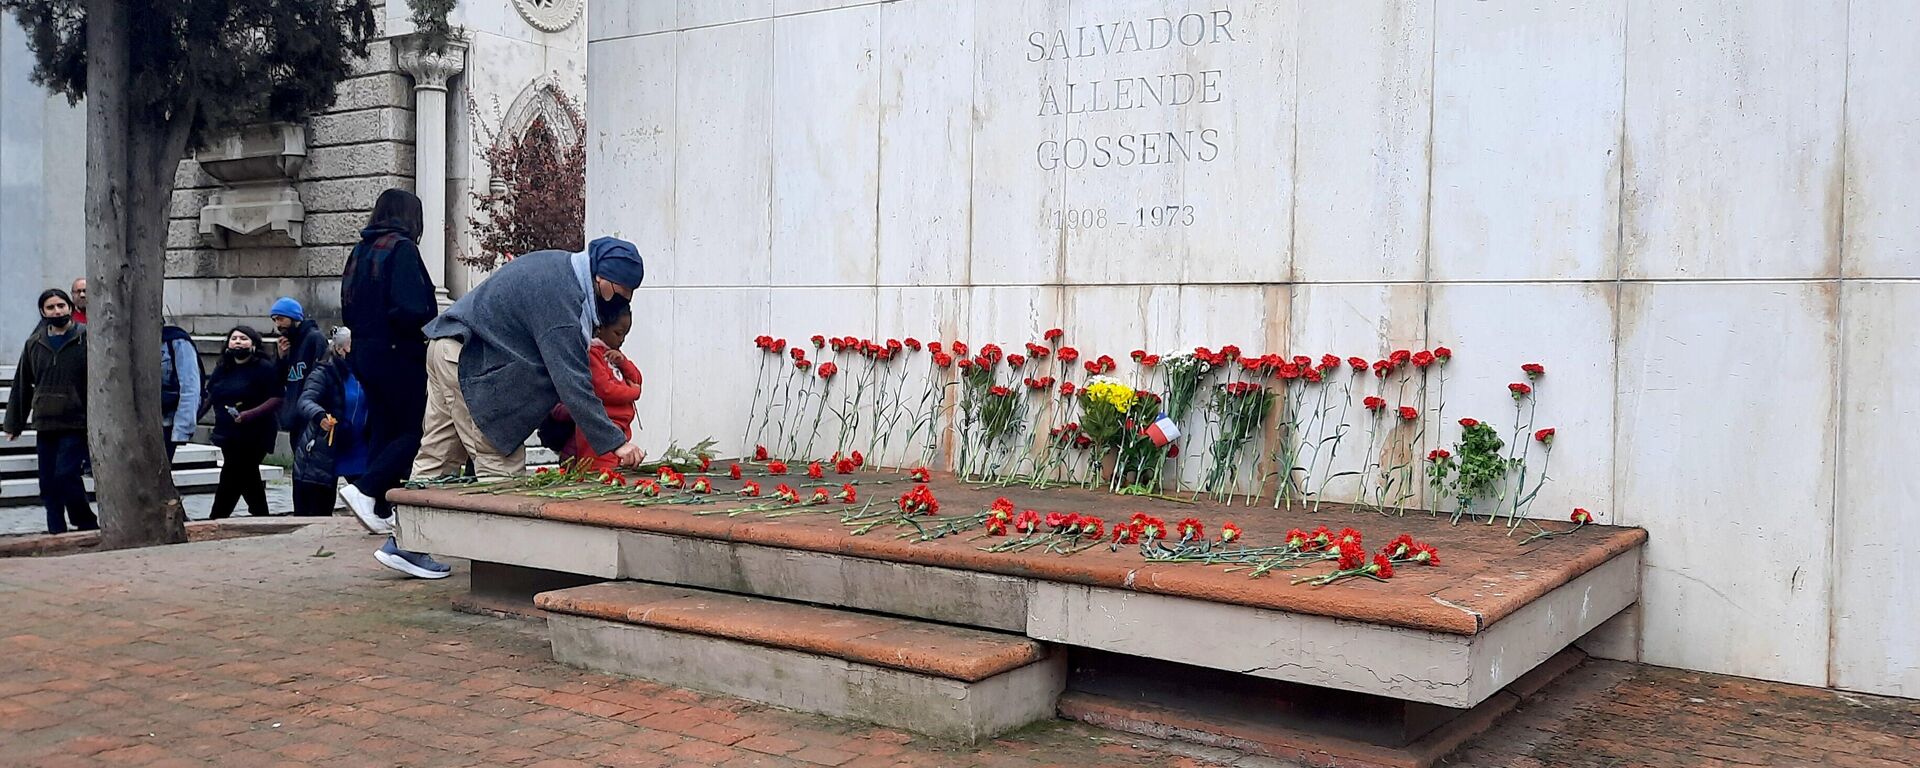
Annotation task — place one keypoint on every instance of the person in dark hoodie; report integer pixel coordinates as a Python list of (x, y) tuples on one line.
[(302, 347), (386, 296), (50, 395), (331, 442), (244, 393)]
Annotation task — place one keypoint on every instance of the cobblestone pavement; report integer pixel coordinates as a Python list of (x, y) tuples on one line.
[(298, 649)]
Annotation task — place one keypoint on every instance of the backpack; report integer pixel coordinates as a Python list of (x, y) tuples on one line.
[(170, 374)]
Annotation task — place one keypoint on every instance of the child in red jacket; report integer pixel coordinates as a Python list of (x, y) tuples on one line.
[(616, 381)]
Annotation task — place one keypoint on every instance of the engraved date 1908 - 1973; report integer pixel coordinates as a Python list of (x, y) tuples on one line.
[(1146, 216)]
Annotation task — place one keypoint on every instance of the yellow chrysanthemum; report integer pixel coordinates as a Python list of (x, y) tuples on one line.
[(1120, 396)]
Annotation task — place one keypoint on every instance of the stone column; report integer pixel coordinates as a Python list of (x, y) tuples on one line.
[(430, 72)]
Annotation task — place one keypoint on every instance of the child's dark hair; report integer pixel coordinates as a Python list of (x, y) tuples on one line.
[(625, 313)]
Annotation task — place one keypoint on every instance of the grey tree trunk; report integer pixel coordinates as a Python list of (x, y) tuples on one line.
[(130, 168)]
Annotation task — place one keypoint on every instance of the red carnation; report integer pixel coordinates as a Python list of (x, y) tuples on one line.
[(1015, 360), (1053, 334), (1408, 413), (797, 353), (1066, 388), (759, 453), (1425, 553), (1400, 357), (933, 346), (920, 474), (1382, 568), (1150, 361), (1519, 390), (750, 489), (779, 345), (858, 460), (803, 365), (844, 467), (966, 363), (1351, 556), (786, 493), (815, 471), (1534, 370), (1438, 454), (776, 467), (1422, 359), (1229, 532), (1329, 361), (999, 391), (1297, 538), (1027, 522), (1442, 354), (912, 343), (1469, 422), (1544, 435), (847, 493), (1374, 404), (1358, 364), (942, 359), (1581, 516), (819, 341), (959, 348), (1067, 354), (733, 471), (1190, 529), (1312, 375)]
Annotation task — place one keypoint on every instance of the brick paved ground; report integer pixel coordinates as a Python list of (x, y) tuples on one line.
[(257, 652)]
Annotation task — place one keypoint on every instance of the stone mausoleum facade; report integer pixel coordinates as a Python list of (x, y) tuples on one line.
[(274, 211)]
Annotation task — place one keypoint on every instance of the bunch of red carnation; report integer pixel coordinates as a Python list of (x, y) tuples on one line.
[(919, 501)]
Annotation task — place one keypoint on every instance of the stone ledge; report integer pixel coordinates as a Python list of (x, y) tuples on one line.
[(955, 653), (935, 706), (1486, 576)]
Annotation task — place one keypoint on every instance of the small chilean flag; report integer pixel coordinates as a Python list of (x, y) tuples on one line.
[(1163, 431)]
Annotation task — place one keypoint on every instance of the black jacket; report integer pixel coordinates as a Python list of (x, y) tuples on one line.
[(325, 393), (306, 348), (50, 384), (386, 297), (252, 388)]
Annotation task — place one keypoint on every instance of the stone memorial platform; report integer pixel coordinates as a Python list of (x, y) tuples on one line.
[(1386, 673)]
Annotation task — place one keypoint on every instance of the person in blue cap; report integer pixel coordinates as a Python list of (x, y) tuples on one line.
[(302, 348)]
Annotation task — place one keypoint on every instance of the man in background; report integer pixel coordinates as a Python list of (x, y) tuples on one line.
[(80, 300)]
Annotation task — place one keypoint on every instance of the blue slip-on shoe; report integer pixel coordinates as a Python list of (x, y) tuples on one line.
[(416, 564)]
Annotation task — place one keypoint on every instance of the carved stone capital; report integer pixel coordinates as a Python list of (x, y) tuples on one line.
[(430, 70)]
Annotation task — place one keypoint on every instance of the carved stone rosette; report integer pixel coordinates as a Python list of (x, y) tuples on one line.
[(549, 15)]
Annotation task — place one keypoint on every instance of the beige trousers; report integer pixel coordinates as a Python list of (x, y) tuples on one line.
[(448, 435)]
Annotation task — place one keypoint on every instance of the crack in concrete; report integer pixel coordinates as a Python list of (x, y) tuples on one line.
[(1479, 619)]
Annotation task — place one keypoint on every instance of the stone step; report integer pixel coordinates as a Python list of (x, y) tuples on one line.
[(190, 456), (24, 489), (943, 681)]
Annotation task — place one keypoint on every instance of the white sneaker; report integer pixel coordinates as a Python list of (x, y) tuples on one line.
[(362, 507)]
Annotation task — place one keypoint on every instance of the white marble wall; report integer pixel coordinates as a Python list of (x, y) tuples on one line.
[(1700, 219), (42, 191)]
